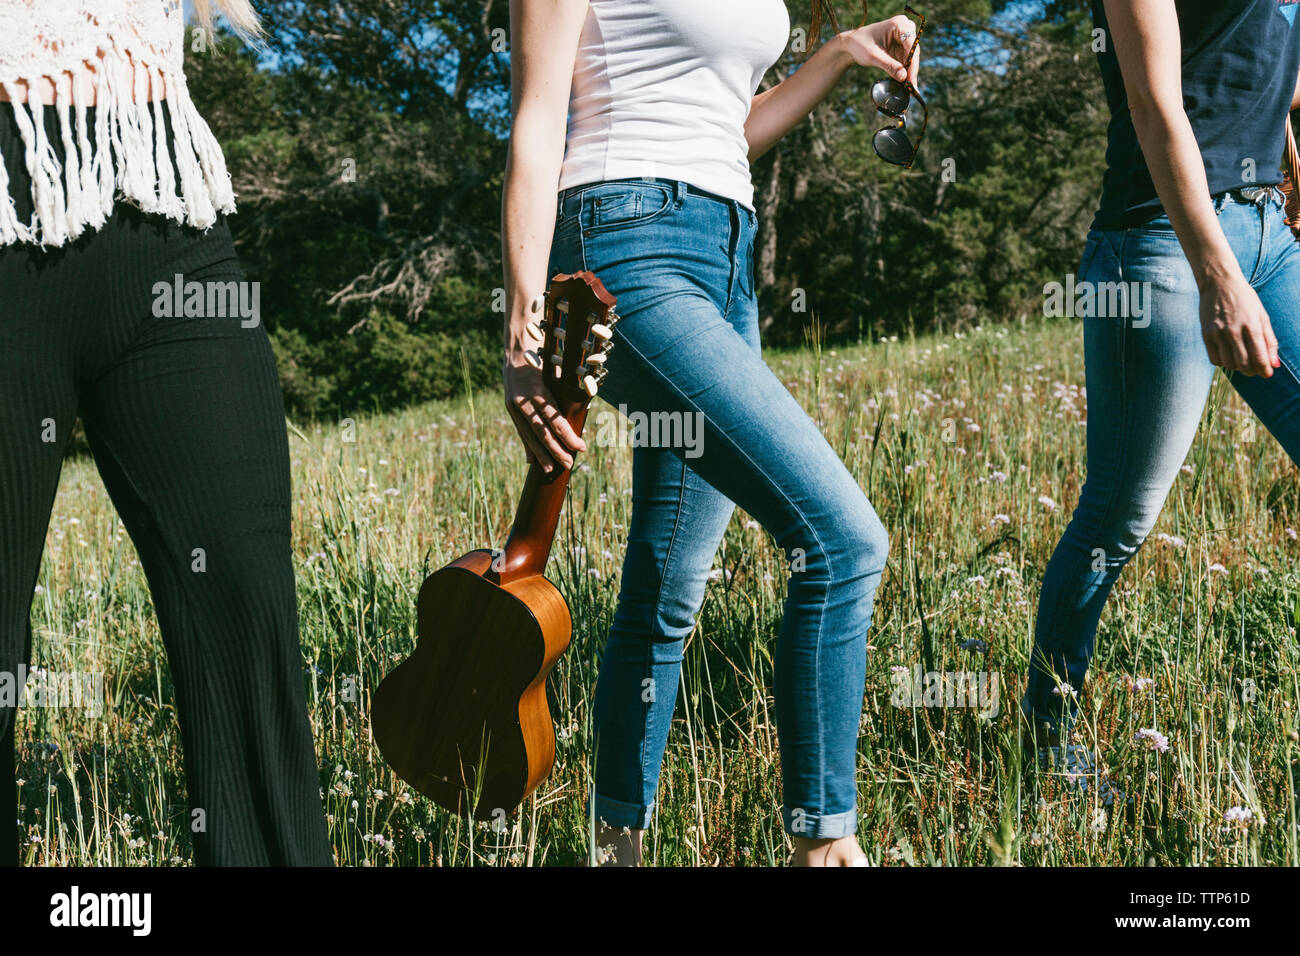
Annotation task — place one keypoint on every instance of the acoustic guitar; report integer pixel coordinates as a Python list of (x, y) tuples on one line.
[(465, 720)]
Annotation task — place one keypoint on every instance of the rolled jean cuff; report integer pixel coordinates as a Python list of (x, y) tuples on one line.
[(616, 813), (819, 826)]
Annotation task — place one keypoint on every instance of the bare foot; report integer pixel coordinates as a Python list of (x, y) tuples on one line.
[(843, 851)]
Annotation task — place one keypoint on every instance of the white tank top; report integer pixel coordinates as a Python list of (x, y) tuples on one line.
[(663, 88)]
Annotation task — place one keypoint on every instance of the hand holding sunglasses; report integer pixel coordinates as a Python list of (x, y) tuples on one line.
[(892, 46), (892, 97)]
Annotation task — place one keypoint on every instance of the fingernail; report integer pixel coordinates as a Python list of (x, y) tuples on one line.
[(1277, 362)]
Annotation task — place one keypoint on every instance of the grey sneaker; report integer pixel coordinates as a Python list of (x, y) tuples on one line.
[(1075, 763)]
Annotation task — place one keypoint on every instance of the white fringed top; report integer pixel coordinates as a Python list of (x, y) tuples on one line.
[(109, 46)]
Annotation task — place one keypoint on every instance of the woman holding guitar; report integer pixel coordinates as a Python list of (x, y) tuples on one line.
[(655, 197)]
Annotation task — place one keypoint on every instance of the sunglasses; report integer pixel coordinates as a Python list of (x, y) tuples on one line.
[(891, 97)]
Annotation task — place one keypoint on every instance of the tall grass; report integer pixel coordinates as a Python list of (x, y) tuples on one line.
[(970, 446)]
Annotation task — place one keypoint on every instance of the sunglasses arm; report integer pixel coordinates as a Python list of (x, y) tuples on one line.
[(925, 121)]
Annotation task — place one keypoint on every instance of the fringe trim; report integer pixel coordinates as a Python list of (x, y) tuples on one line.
[(129, 159)]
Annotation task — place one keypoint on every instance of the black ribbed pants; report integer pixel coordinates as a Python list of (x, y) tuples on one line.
[(185, 420)]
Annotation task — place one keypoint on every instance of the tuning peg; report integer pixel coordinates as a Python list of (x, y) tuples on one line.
[(589, 385), (538, 301), (533, 359), (612, 319), (602, 332), (534, 332), (596, 358)]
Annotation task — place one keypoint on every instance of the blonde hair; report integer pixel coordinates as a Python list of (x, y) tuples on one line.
[(238, 13)]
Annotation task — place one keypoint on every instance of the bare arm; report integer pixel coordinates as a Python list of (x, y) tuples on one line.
[(776, 111), (1237, 332), (543, 47)]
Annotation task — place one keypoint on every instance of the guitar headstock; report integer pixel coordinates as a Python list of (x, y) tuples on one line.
[(573, 335)]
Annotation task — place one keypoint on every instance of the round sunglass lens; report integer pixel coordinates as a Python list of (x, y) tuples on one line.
[(893, 146), (890, 96)]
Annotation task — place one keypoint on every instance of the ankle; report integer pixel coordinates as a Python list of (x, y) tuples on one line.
[(840, 851)]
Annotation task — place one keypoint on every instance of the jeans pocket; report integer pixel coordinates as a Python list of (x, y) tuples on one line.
[(1159, 226), (566, 231), (623, 204), (1101, 255), (1089, 252)]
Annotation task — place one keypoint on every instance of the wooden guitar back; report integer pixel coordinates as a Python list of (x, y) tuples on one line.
[(465, 720)]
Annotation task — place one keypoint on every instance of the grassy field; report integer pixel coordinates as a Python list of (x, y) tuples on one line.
[(971, 448)]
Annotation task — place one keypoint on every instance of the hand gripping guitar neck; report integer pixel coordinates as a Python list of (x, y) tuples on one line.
[(465, 720), (573, 341)]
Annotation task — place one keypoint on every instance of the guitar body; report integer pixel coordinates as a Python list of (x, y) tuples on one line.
[(465, 720), (467, 713)]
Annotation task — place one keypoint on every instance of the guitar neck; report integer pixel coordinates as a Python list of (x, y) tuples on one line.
[(538, 514)]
